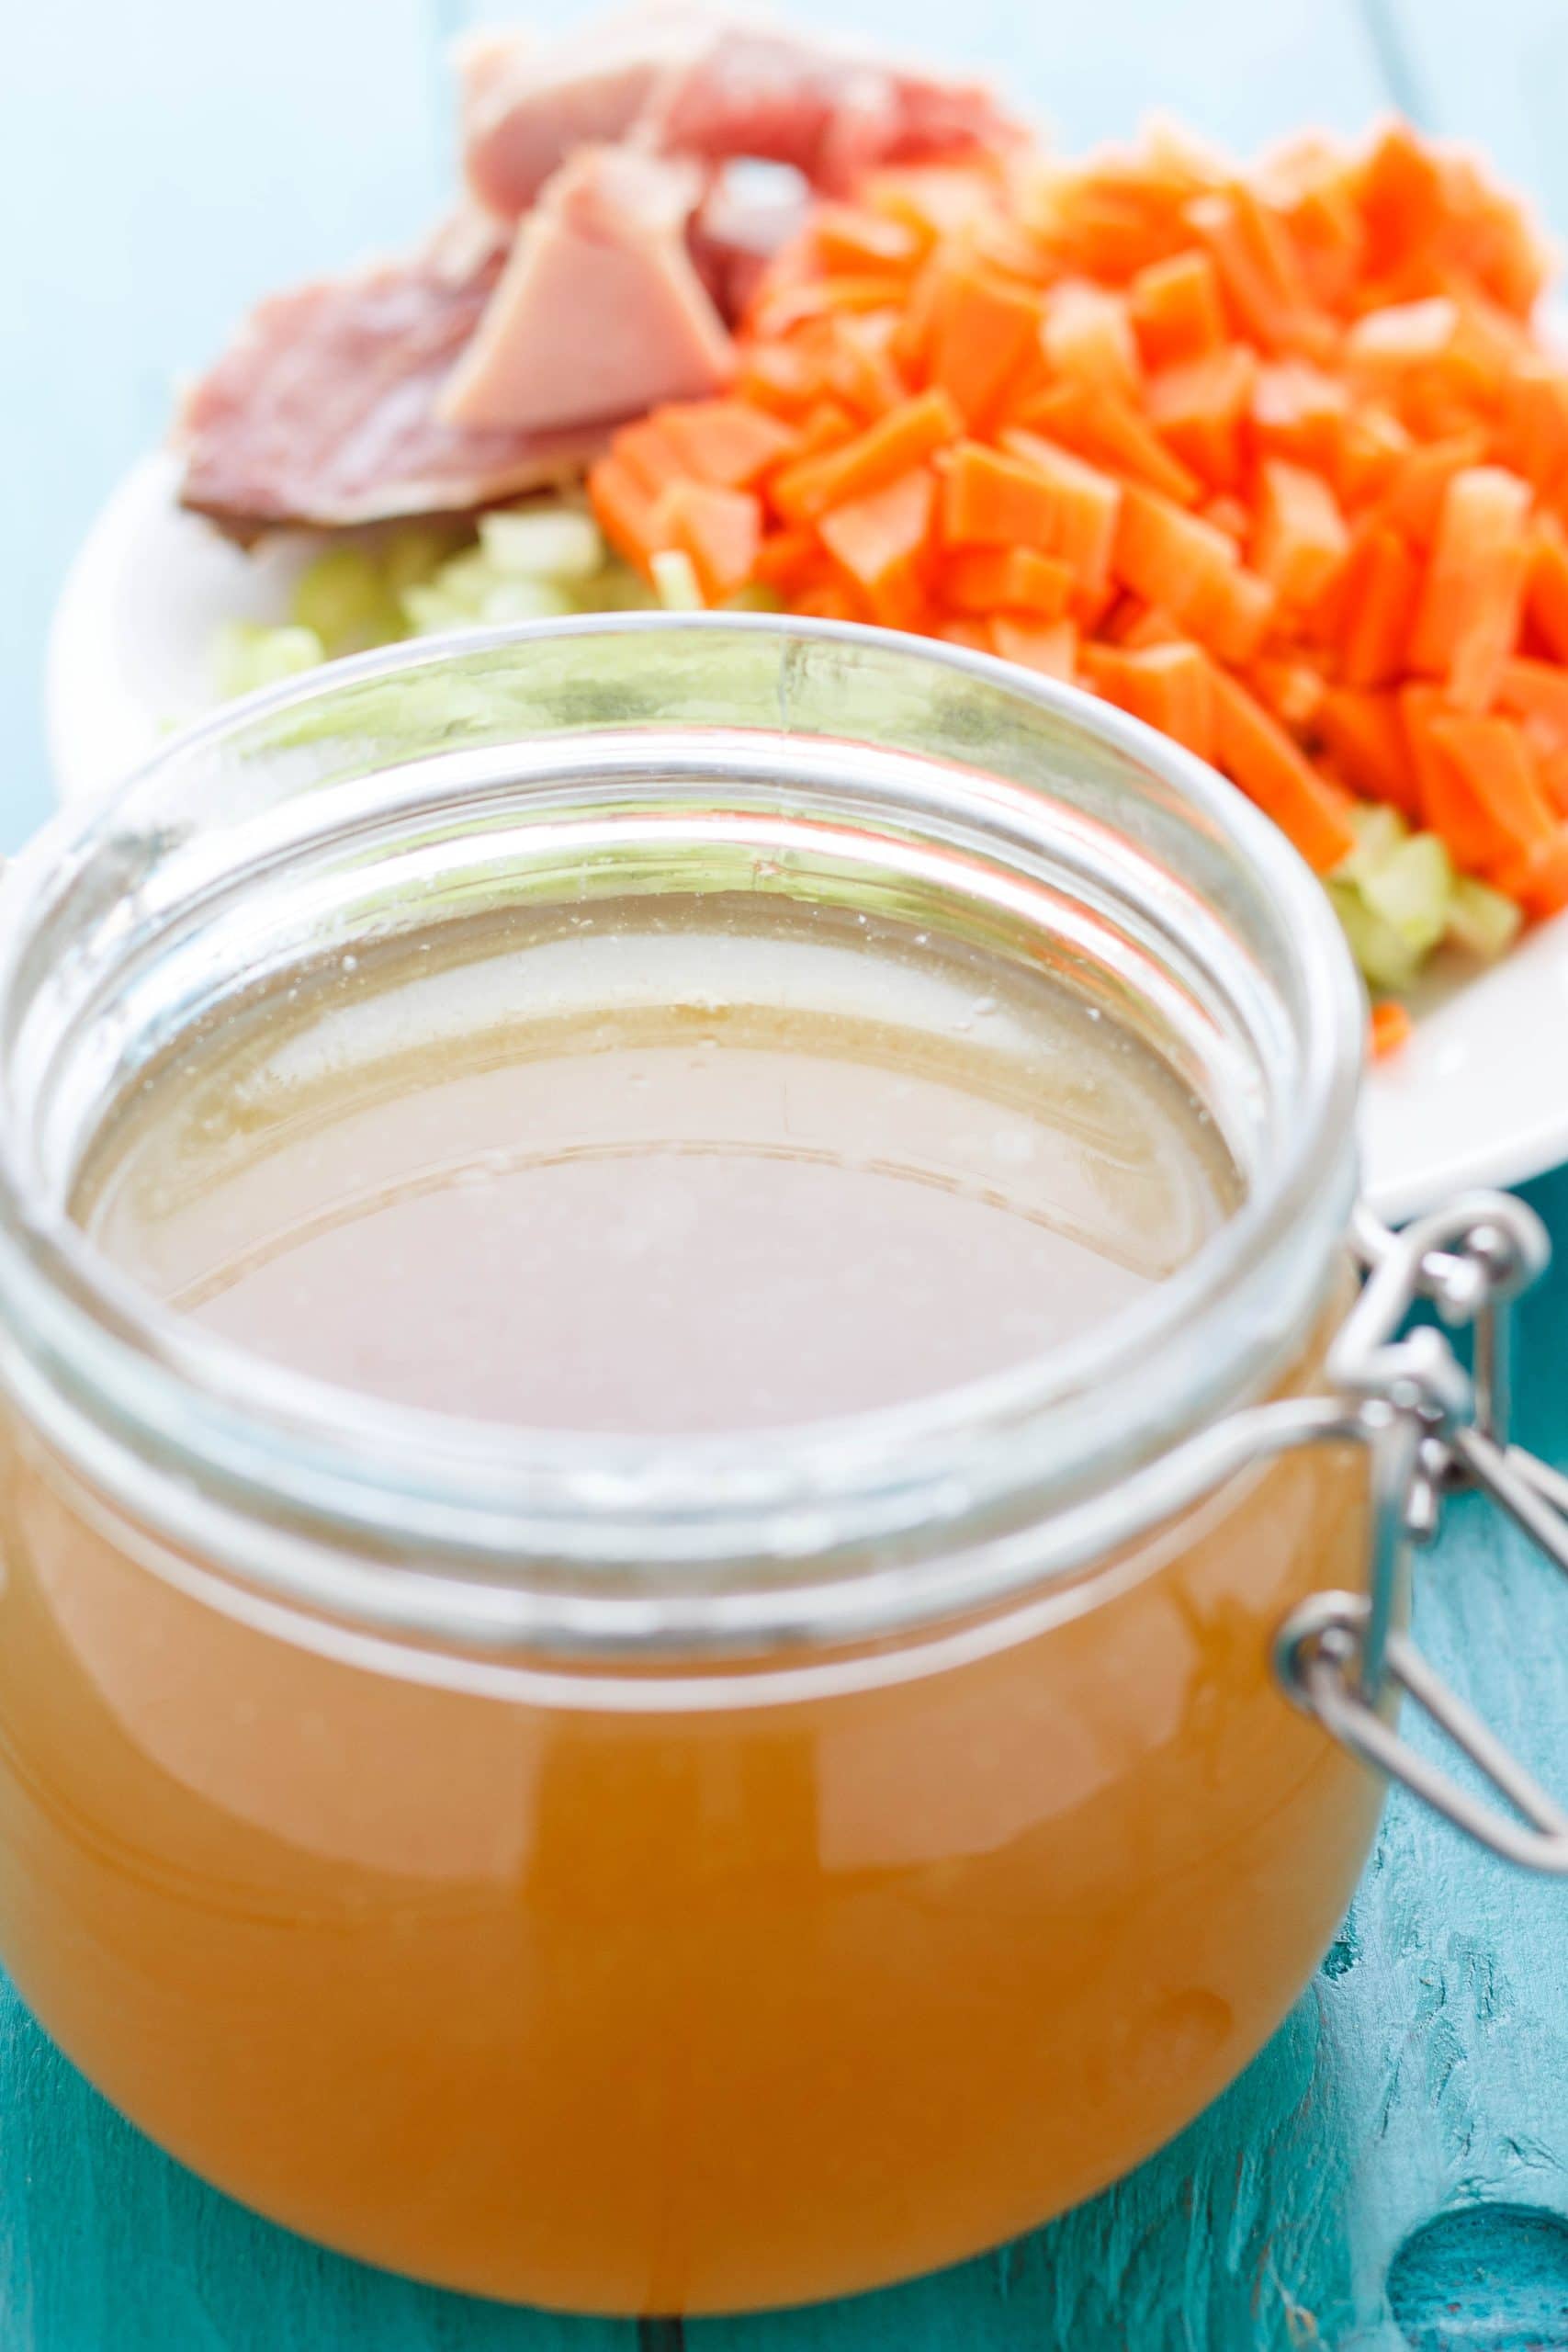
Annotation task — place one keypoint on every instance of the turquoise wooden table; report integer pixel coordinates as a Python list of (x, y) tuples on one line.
[(1394, 2169)]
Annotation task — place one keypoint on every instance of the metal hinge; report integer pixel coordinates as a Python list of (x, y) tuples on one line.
[(1433, 1429)]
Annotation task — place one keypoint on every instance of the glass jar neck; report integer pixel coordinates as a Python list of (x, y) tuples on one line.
[(644, 756)]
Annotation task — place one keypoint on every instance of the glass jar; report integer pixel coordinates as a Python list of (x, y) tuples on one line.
[(645, 1875)]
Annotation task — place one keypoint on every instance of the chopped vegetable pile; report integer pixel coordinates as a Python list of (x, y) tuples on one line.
[(1274, 459), (532, 562)]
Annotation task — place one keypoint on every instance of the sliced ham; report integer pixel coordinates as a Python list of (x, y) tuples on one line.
[(603, 250), (528, 104), (600, 309), (831, 111), (704, 80), (324, 409)]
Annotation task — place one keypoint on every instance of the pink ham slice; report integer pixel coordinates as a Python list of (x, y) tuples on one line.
[(600, 309), (472, 372), (690, 79), (528, 104), (831, 112), (324, 409)]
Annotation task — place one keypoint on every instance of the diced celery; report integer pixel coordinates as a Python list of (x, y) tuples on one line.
[(525, 600), (675, 580), (1410, 889), (248, 654), (1481, 920), (1378, 829), (616, 589), (1387, 959), (344, 598), (466, 581), (542, 543), (430, 611), (412, 554)]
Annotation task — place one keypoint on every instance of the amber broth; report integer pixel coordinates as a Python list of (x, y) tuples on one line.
[(597, 1992)]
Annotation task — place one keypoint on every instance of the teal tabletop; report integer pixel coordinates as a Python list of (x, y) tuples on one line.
[(1392, 2171)]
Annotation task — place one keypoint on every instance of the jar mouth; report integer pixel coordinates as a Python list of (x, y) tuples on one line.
[(654, 732)]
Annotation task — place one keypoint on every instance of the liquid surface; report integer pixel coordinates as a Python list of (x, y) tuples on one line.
[(720, 1168)]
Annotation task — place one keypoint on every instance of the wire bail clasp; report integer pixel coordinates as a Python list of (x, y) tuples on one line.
[(1434, 1430)]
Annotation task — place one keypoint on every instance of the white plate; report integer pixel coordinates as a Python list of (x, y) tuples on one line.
[(1480, 1095)]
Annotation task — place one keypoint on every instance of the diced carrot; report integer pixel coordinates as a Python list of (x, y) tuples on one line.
[(1088, 338), (1196, 407), (725, 441), (1300, 413), (623, 509), (1533, 434), (1552, 767), (1227, 513), (1259, 269), (719, 529), (1414, 497), (1256, 753), (1539, 691), (1087, 504), (881, 540), (1107, 428), (1364, 735), (1283, 445), (1481, 794), (1171, 687), (1176, 309), (828, 424), (1401, 197), (1419, 706), (1050, 647), (905, 437), (1373, 446), (993, 500), (1377, 604), (1019, 580), (981, 329), (778, 377), (850, 239), (1185, 566), (1301, 541), (652, 456), (1291, 689), (1385, 347), (832, 600), (1147, 625), (1466, 617), (788, 560), (1230, 612), (909, 347), (1389, 1028), (1325, 230), (932, 200), (775, 313), (1546, 589), (1537, 876), (858, 369)]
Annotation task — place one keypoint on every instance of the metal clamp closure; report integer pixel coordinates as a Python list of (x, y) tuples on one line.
[(1433, 1429)]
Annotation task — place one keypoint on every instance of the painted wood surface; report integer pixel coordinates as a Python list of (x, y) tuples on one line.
[(1394, 2170)]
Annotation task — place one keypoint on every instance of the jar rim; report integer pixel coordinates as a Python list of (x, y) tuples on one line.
[(699, 1542)]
